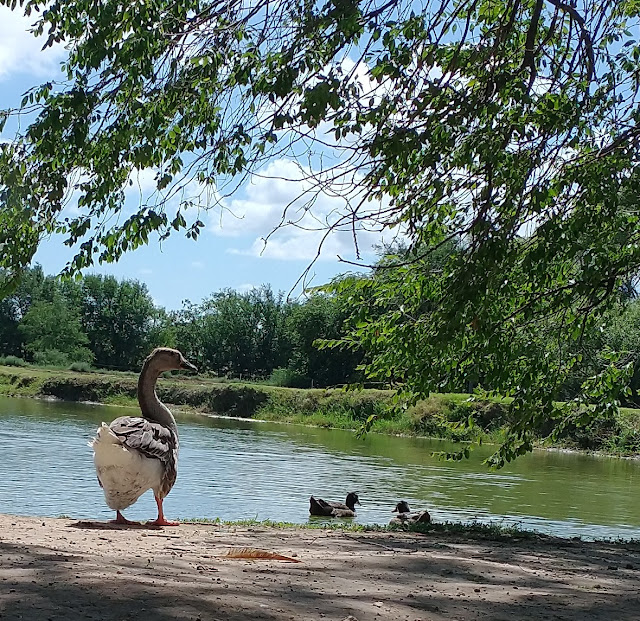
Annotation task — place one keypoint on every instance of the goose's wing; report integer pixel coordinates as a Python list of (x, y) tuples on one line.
[(338, 505), (150, 439), (423, 517), (317, 506), (343, 513)]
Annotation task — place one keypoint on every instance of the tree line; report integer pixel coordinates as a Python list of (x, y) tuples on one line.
[(113, 324)]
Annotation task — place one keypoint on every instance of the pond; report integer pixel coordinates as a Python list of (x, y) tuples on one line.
[(238, 469)]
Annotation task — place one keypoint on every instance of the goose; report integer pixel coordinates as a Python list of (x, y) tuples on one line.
[(317, 506), (406, 517), (137, 453)]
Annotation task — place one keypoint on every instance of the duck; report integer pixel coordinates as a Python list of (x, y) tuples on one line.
[(317, 506), (136, 453), (405, 516)]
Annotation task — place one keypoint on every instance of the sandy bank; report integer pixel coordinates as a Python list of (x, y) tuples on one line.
[(60, 569)]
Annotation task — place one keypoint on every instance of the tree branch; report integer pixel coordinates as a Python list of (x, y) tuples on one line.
[(529, 59), (584, 33)]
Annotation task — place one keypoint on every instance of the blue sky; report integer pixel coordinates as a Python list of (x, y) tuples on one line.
[(230, 251)]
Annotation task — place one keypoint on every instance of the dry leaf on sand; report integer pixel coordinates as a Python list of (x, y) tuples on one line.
[(255, 554)]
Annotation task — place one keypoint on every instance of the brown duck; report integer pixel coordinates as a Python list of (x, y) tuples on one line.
[(405, 516)]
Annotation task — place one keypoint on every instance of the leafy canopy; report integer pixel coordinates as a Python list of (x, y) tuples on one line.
[(509, 127)]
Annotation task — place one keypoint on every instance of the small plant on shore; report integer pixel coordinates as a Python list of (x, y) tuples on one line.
[(288, 378), (13, 361)]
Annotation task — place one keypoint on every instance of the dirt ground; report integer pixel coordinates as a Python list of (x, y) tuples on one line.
[(59, 569)]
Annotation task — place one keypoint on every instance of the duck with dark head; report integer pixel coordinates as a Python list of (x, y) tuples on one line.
[(317, 506), (137, 453)]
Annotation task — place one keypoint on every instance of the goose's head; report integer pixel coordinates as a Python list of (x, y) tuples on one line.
[(402, 507), (167, 359), (352, 500)]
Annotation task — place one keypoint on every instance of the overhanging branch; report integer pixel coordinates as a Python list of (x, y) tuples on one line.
[(584, 33)]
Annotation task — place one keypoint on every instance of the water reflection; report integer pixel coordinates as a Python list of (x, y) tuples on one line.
[(246, 469)]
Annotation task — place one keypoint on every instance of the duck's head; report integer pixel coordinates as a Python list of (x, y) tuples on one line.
[(167, 359), (402, 507), (352, 500)]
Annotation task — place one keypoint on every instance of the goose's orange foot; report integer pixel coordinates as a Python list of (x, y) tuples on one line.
[(162, 522), (120, 519)]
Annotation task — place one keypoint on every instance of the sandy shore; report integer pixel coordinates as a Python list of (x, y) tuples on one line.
[(61, 569)]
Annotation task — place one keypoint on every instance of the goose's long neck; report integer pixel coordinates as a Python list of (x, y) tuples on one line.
[(152, 408)]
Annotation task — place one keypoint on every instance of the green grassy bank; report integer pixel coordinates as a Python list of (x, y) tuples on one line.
[(336, 408)]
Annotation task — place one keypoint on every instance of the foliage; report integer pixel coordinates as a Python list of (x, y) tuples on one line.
[(9, 320), (9, 334), (394, 319), (53, 332), (117, 317), (238, 334), (320, 318), (506, 126), (233, 334), (161, 330), (622, 333), (14, 307)]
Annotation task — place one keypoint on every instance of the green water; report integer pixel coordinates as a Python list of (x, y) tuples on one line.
[(245, 469)]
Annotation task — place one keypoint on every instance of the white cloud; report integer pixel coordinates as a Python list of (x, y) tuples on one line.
[(298, 245), (284, 205), (142, 184), (277, 186), (245, 288), (20, 51), (198, 265)]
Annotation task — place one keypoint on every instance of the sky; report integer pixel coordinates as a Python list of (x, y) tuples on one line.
[(230, 252)]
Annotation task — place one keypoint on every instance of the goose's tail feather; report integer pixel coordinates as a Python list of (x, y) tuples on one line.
[(104, 435)]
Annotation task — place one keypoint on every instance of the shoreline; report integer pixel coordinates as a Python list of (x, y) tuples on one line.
[(57, 568), (178, 408)]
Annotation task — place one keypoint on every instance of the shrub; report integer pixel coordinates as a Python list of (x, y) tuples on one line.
[(51, 358), (13, 361), (80, 367), (288, 378)]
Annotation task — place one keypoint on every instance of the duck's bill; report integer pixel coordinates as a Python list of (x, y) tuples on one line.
[(185, 364)]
